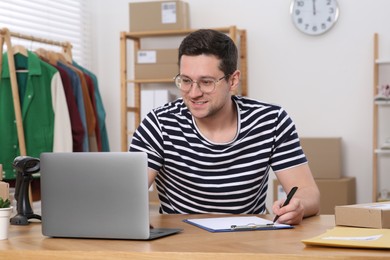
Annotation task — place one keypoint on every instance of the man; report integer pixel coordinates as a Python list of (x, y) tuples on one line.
[(211, 151)]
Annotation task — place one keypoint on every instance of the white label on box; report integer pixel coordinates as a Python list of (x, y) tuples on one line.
[(168, 12), (147, 57), (380, 206)]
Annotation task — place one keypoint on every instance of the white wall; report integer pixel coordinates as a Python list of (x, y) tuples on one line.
[(324, 82)]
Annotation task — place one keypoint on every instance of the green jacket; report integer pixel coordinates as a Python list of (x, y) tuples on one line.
[(44, 111)]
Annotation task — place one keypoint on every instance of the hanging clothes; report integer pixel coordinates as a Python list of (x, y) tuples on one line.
[(91, 91), (45, 115), (78, 93), (78, 132), (89, 109), (101, 113)]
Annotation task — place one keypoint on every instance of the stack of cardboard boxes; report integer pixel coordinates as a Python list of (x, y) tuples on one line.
[(160, 64), (325, 160), (155, 64)]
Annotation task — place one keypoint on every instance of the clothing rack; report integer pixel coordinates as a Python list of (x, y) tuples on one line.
[(5, 36)]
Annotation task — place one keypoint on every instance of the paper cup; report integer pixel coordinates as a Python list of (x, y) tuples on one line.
[(5, 214)]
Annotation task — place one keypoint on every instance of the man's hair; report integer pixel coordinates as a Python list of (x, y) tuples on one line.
[(210, 42)]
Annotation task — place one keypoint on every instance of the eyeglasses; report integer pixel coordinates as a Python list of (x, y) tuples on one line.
[(206, 85)]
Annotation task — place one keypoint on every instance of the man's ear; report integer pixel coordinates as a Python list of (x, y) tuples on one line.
[(234, 81)]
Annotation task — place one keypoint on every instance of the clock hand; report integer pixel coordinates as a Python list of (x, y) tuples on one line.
[(314, 7)]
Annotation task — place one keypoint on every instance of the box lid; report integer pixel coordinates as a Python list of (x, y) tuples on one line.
[(370, 215)]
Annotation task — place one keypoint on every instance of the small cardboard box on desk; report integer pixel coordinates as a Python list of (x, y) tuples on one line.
[(5, 213), (4, 186), (370, 215)]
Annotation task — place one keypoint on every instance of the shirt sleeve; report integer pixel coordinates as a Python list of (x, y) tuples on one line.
[(148, 138), (287, 151)]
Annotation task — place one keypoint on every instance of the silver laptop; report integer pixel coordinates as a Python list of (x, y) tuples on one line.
[(96, 195)]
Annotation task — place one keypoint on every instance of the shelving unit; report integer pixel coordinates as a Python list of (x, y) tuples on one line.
[(238, 35), (378, 152)]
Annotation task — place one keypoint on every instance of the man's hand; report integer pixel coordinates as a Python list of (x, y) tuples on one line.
[(306, 201), (291, 214)]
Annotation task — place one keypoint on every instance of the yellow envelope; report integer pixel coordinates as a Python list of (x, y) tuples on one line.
[(352, 238)]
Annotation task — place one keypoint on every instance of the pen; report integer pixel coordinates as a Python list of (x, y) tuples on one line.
[(287, 201), (251, 226)]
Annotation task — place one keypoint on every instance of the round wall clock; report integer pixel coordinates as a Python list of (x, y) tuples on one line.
[(314, 17)]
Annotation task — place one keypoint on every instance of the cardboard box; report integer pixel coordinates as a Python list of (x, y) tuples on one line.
[(371, 215), (4, 186), (159, 15), (334, 192), (156, 64), (324, 156), (4, 190)]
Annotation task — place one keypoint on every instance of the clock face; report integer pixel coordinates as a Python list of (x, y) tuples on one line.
[(314, 17)]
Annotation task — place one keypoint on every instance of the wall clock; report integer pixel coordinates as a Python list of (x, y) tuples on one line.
[(314, 17)]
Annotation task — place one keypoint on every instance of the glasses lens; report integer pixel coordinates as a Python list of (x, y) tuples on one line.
[(207, 85), (183, 83)]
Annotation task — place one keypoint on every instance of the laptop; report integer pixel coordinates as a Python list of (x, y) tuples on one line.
[(97, 195)]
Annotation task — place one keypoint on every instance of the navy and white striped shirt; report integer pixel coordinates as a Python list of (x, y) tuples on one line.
[(199, 176)]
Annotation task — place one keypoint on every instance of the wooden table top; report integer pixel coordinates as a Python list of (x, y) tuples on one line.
[(191, 243)]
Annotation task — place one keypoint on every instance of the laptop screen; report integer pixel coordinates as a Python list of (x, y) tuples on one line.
[(97, 195)]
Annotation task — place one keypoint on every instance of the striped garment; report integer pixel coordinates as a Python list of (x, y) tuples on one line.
[(199, 176)]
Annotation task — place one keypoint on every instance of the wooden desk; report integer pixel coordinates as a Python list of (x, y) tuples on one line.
[(27, 242)]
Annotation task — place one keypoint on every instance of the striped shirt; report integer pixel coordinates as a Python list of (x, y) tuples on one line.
[(196, 175)]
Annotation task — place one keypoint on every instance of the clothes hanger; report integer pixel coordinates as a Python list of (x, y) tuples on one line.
[(52, 57), (61, 57), (67, 57), (41, 52), (19, 49)]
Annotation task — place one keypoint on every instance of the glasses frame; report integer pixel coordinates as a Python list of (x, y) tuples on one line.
[(200, 88)]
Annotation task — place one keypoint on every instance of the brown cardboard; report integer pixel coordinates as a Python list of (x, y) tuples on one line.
[(156, 71), (324, 156), (156, 64), (4, 190), (334, 192), (370, 215), (4, 186), (159, 15), (161, 56)]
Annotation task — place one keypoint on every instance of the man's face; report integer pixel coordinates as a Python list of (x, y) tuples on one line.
[(204, 105)]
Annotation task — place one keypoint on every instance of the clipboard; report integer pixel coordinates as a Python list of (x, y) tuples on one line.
[(234, 224)]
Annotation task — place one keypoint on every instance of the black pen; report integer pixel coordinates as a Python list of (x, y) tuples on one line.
[(287, 201)]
